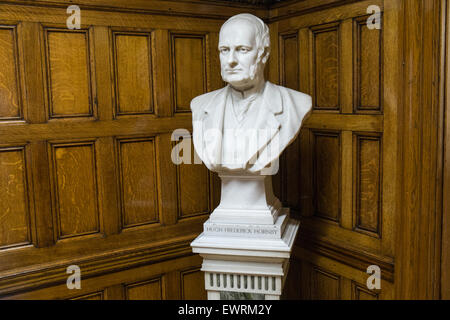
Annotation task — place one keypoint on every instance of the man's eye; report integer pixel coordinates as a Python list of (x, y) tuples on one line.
[(224, 50), (244, 50)]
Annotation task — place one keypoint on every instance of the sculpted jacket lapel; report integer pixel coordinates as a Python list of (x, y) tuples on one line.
[(266, 123), (213, 127)]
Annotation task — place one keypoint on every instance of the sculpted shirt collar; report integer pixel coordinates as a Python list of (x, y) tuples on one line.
[(271, 98)]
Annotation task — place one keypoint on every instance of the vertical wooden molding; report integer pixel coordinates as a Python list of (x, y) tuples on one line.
[(346, 180), (167, 180), (306, 173), (32, 57), (419, 215), (445, 248), (346, 66), (305, 60), (42, 194), (108, 191), (161, 73), (273, 65), (103, 75), (115, 292)]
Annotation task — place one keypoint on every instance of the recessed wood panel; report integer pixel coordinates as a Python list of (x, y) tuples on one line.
[(326, 159), (146, 290), (289, 60), (133, 72), (138, 180), (188, 68), (75, 188), (368, 66), (326, 66), (291, 174), (68, 73), (193, 190), (10, 101), (14, 215), (192, 285), (368, 183), (359, 292), (325, 285), (91, 296)]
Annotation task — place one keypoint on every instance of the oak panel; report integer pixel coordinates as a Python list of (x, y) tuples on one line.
[(367, 196), (188, 68), (74, 175), (192, 284), (326, 66), (15, 228), (326, 173), (368, 68), (90, 296), (133, 72), (289, 57), (325, 285), (144, 290), (68, 73), (138, 181), (193, 183), (360, 292), (10, 101)]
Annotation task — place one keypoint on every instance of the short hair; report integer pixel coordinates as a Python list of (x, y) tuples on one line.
[(262, 30)]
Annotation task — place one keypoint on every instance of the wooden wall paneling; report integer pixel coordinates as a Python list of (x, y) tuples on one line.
[(11, 100), (214, 79), (360, 292), (138, 181), (15, 203), (190, 179), (217, 10), (189, 67), (167, 178), (33, 77), (45, 231), (103, 73), (90, 296), (132, 60), (419, 224), (346, 67), (326, 278), (445, 251), (347, 183), (368, 67), (145, 290), (289, 77), (325, 285), (190, 288), (273, 68), (75, 189), (326, 53), (367, 165), (326, 175), (142, 280), (109, 195), (161, 70), (70, 72)]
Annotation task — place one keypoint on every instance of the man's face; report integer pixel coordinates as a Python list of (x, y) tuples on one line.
[(238, 54)]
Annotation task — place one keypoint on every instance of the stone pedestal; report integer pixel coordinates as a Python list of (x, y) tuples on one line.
[(247, 241)]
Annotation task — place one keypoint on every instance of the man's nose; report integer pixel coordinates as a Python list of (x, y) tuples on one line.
[(232, 61)]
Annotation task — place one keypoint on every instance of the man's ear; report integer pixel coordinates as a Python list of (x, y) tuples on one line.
[(265, 55)]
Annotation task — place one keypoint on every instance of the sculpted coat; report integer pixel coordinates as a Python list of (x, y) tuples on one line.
[(280, 116)]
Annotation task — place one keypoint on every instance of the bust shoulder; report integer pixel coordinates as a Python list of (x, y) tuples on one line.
[(295, 97), (199, 103)]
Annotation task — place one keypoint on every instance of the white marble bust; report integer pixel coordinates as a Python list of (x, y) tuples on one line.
[(244, 127)]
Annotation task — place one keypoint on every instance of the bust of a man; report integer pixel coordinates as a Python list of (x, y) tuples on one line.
[(245, 126)]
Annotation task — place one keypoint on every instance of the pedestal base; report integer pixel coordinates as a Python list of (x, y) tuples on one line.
[(252, 260)]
